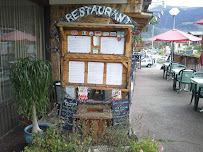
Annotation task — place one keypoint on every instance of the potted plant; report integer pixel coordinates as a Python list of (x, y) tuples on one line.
[(31, 81)]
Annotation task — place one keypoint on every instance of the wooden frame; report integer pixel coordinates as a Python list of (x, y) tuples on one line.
[(65, 30)]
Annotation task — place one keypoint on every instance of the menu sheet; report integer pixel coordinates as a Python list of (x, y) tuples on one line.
[(112, 45), (95, 72), (79, 44), (76, 72), (114, 74)]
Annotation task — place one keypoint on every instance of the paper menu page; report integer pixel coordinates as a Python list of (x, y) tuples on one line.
[(96, 41), (79, 44), (114, 73), (76, 72), (112, 45), (95, 72), (70, 92)]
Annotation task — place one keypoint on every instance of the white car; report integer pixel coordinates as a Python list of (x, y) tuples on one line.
[(147, 62)]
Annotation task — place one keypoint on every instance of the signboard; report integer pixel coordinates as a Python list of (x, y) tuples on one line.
[(82, 93), (116, 94), (99, 11), (120, 111), (69, 108)]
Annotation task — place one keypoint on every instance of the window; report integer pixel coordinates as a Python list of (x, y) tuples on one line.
[(20, 37)]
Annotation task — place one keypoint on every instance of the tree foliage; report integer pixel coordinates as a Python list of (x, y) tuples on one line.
[(31, 80)]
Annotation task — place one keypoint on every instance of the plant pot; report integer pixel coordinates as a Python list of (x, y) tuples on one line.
[(28, 135)]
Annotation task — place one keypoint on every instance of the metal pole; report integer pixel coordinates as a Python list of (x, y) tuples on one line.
[(173, 48), (173, 21), (172, 54), (152, 36)]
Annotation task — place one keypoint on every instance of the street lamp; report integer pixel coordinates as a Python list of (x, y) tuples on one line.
[(173, 12)]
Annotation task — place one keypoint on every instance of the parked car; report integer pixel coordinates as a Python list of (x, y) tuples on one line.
[(147, 62)]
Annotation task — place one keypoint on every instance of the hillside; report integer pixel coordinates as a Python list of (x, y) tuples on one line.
[(183, 21)]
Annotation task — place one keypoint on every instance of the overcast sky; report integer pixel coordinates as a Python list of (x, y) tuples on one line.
[(188, 3)]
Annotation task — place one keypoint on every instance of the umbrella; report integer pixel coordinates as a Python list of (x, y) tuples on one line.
[(199, 22), (174, 36), (17, 36)]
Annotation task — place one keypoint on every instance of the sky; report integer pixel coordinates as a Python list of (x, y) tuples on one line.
[(186, 3)]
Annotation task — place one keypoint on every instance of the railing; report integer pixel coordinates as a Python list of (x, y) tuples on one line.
[(189, 61)]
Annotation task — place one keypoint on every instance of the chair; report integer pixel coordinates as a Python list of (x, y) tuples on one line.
[(179, 66), (169, 69), (176, 74), (184, 77), (198, 95), (165, 67), (195, 75)]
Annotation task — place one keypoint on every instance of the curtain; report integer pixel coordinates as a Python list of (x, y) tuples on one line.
[(20, 37)]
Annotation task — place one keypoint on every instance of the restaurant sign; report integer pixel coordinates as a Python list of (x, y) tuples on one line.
[(99, 11)]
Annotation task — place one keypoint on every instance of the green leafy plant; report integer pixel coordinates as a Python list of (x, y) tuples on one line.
[(31, 80), (146, 145), (115, 137), (57, 140)]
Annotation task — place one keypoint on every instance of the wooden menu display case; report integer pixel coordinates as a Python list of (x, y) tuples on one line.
[(96, 56)]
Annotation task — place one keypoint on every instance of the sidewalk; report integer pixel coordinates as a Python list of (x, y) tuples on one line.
[(157, 109)]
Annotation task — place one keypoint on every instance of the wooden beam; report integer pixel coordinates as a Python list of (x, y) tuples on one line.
[(125, 64), (62, 33), (93, 25), (142, 15)]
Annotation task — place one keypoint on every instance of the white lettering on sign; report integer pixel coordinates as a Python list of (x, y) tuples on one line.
[(83, 93), (99, 10), (116, 94), (82, 11), (94, 9), (75, 14), (119, 17)]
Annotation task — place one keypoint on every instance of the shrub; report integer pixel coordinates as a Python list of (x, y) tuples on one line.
[(57, 140), (146, 145)]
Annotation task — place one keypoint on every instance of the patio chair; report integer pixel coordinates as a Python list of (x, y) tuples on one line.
[(184, 77), (177, 75), (169, 69), (179, 66), (195, 75), (165, 67), (199, 95)]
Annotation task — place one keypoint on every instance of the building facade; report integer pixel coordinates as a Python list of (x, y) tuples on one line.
[(27, 29)]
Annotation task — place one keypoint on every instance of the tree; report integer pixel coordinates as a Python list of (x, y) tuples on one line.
[(31, 80)]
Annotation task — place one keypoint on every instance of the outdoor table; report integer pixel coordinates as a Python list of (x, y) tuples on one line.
[(196, 81), (176, 72)]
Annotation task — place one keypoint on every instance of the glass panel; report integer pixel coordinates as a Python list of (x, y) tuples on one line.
[(20, 37)]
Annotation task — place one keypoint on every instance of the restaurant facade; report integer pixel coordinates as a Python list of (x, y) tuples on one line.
[(28, 28)]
